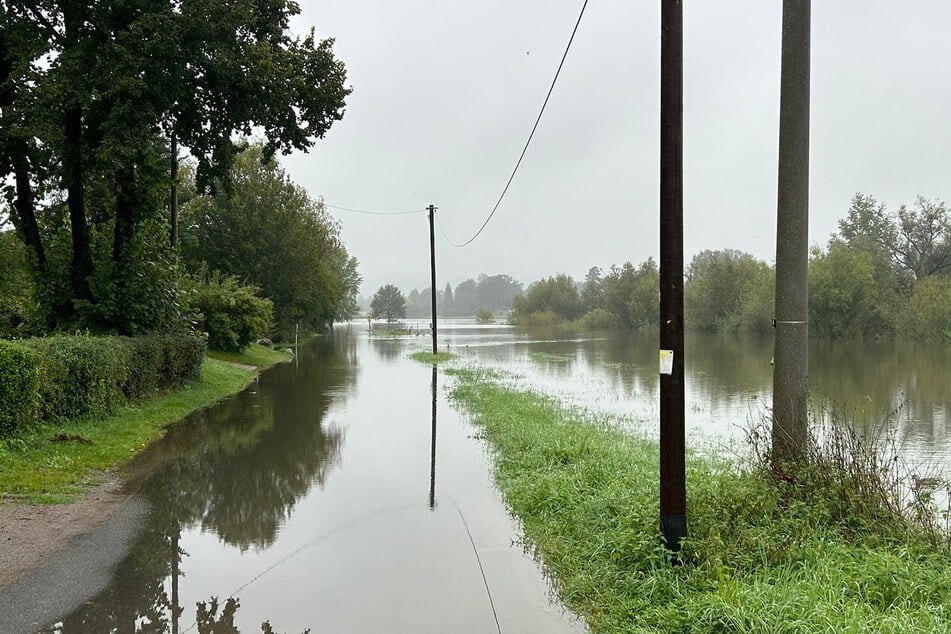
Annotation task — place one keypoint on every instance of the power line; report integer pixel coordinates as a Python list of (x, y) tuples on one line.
[(374, 212), (529, 141)]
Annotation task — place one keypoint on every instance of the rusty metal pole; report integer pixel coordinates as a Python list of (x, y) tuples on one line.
[(791, 370), (673, 485)]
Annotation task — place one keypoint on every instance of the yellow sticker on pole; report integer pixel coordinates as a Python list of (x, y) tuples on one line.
[(666, 361)]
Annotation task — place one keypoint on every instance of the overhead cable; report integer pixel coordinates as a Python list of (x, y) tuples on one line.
[(374, 212), (528, 142)]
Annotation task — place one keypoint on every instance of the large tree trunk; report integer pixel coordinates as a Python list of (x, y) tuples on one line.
[(173, 190), (125, 210), (25, 211), (81, 268)]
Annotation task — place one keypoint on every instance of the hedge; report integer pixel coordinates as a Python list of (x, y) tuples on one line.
[(19, 386), (57, 378)]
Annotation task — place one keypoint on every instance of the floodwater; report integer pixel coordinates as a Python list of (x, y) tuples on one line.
[(342, 493)]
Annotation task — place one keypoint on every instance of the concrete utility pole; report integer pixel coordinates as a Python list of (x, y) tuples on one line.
[(791, 371), (673, 491), (432, 257)]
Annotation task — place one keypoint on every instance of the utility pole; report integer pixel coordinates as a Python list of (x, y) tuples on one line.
[(673, 485), (432, 258), (791, 354)]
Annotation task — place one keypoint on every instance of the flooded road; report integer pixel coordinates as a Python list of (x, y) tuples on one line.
[(318, 498), (313, 500)]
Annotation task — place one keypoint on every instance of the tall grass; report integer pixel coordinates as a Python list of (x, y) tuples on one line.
[(764, 554)]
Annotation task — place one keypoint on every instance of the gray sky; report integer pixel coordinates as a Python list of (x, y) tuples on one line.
[(445, 94)]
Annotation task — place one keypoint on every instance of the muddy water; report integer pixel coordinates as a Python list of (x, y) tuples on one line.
[(318, 499)]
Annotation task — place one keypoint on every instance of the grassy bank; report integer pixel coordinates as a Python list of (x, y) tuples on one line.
[(763, 555), (35, 468), (429, 357), (258, 356)]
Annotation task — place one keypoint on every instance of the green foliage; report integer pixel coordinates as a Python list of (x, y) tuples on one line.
[(493, 292), (388, 303), (484, 316), (926, 314), (431, 358), (115, 438), (89, 376), (598, 319), (762, 555), (725, 289), (266, 231), (90, 93), (19, 386), (553, 296), (232, 315), (843, 293)]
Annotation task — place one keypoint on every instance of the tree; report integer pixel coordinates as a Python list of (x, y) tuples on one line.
[(105, 83), (843, 297), (267, 231), (557, 296), (917, 241), (720, 286), (388, 303), (496, 292)]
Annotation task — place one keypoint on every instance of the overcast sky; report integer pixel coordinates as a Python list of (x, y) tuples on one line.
[(444, 95)]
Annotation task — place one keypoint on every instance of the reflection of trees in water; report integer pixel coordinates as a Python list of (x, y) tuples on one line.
[(864, 380), (237, 470), (388, 350), (873, 379)]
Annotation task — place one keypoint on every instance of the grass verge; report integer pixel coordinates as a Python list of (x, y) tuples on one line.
[(763, 555), (254, 354), (35, 469), (429, 357)]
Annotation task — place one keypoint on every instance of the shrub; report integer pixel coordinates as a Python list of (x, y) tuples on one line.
[(598, 319), (182, 359), (19, 386), (232, 315), (484, 316), (80, 375), (63, 377)]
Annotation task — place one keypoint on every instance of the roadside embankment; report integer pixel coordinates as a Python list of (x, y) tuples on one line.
[(57, 460), (764, 555), (72, 463)]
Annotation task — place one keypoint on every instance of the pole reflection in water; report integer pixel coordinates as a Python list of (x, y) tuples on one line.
[(432, 450)]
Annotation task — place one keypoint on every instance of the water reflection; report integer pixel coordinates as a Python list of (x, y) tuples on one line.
[(729, 380), (432, 451), (235, 470)]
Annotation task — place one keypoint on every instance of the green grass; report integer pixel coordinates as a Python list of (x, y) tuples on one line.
[(762, 556), (549, 357), (37, 470), (256, 355), (429, 357)]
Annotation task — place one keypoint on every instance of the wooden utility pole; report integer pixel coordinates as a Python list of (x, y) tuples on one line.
[(432, 267), (791, 355), (673, 491)]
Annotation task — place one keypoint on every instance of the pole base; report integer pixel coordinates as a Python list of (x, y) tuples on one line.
[(674, 528)]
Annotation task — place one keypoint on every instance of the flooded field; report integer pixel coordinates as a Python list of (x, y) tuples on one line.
[(343, 493)]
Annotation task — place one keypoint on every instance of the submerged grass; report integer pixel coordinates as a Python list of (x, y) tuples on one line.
[(34, 468), (429, 357), (551, 357), (763, 555)]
